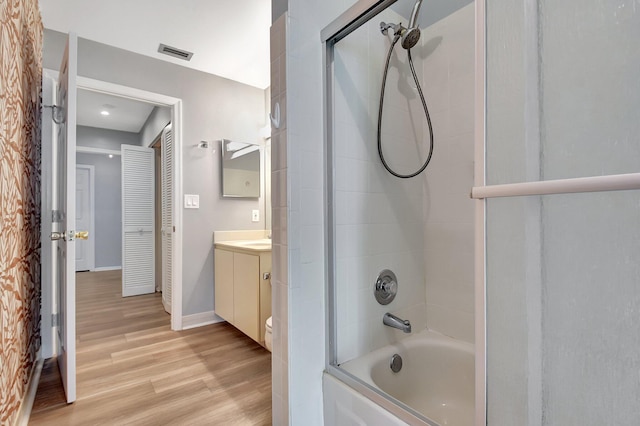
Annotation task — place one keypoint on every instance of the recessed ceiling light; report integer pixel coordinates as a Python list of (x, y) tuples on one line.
[(110, 155), (104, 112)]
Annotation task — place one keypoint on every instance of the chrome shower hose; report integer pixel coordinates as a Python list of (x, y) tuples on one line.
[(424, 106)]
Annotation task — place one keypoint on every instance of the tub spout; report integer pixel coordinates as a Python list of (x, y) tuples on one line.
[(395, 322)]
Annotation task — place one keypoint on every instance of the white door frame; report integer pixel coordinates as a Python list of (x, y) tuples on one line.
[(92, 214), (47, 252), (48, 299), (176, 119)]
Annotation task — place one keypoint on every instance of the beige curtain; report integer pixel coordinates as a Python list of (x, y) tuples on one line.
[(20, 88)]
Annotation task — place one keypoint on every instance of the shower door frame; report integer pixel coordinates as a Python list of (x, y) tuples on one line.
[(349, 21), (480, 222), (341, 27)]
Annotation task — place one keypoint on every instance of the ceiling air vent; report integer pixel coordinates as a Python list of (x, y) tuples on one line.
[(175, 52)]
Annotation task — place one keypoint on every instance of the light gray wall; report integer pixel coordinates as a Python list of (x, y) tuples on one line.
[(108, 228), (213, 108), (108, 214), (157, 120), (104, 138)]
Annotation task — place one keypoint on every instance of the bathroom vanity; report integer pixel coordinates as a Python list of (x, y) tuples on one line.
[(243, 284)]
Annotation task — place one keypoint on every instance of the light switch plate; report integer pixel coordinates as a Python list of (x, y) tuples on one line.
[(191, 201), (255, 215)]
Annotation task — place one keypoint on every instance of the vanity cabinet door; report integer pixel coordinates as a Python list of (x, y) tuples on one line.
[(246, 294), (223, 290), (265, 292)]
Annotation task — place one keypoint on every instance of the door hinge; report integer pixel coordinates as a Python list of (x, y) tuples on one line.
[(55, 320)]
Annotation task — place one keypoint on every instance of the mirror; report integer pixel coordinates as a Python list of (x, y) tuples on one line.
[(240, 169)]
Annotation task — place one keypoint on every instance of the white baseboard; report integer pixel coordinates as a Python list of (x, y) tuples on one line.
[(30, 395), (106, 268), (198, 320)]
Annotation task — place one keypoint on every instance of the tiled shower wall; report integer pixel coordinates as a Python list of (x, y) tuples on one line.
[(421, 228), (303, 294), (20, 89), (448, 82), (379, 217)]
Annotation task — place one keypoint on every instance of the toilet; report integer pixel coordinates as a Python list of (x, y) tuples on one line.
[(268, 337)]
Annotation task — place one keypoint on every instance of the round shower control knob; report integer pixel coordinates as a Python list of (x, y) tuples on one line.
[(386, 287)]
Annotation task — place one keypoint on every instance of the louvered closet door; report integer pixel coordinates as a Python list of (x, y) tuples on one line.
[(138, 258), (167, 216)]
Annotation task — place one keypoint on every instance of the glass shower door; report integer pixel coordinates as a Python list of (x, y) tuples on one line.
[(562, 271)]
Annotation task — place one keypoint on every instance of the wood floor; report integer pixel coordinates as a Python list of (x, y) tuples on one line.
[(132, 369)]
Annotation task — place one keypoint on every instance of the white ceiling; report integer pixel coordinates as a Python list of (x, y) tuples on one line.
[(430, 11), (124, 114), (229, 38)]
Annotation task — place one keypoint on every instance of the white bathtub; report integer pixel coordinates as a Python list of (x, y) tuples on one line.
[(436, 380)]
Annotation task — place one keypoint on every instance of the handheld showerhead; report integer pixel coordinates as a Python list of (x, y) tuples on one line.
[(411, 36), (414, 14)]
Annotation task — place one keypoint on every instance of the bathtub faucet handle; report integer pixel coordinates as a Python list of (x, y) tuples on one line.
[(385, 287)]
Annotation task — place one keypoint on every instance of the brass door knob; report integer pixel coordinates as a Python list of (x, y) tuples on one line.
[(82, 235)]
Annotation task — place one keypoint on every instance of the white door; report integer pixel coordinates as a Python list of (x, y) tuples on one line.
[(167, 216), (85, 249), (64, 192), (138, 236)]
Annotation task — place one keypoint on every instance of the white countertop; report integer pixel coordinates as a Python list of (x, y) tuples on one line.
[(262, 245)]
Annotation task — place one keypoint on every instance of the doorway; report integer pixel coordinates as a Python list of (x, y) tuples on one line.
[(49, 304), (175, 116)]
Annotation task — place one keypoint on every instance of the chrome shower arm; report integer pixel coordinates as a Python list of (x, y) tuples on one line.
[(397, 28)]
